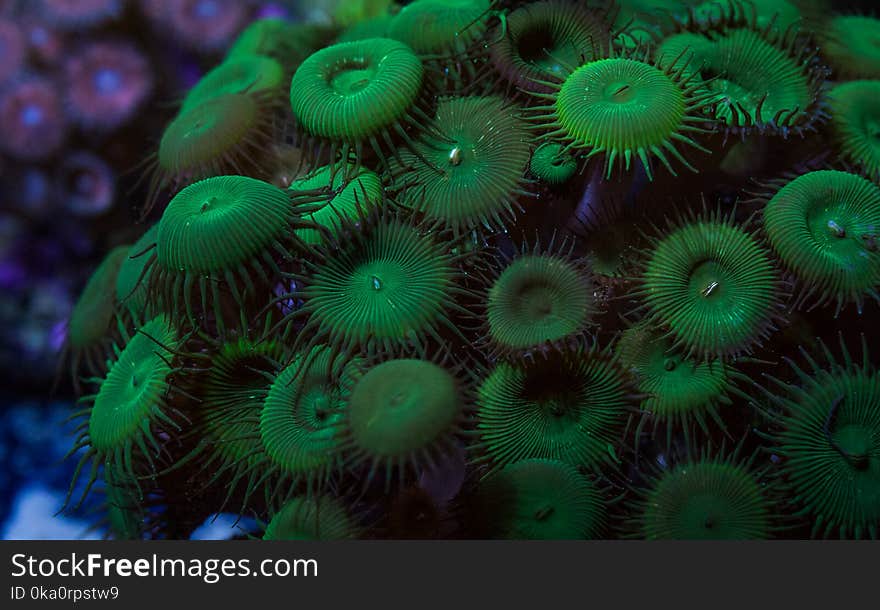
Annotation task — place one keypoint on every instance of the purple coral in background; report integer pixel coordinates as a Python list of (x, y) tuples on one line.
[(203, 25), (32, 119), (13, 48), (105, 83), (85, 184)]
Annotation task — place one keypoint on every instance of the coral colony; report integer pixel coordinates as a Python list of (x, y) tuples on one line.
[(473, 269)]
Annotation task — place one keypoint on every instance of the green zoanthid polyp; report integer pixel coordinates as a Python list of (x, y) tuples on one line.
[(436, 271)]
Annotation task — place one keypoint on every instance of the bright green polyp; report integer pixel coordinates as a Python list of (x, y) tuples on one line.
[(538, 299), (206, 134), (233, 398), (390, 287), (677, 389), (130, 397), (620, 105), (352, 91), (400, 407), (570, 409), (831, 442), (551, 164), (435, 26), (221, 223), (713, 286), (825, 225), (476, 167)]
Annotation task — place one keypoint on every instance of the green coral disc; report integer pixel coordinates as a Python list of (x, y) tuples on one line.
[(850, 45), (345, 198), (302, 413), (403, 409), (237, 74), (220, 224), (352, 91), (706, 500), (311, 518), (543, 40), (552, 164), (759, 81), (570, 408), (132, 395), (232, 399), (478, 160), (855, 116), (539, 299), (390, 284), (830, 440), (540, 500), (432, 27), (625, 109), (677, 389), (713, 286), (93, 312), (824, 225), (131, 283), (201, 139), (602, 104)]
